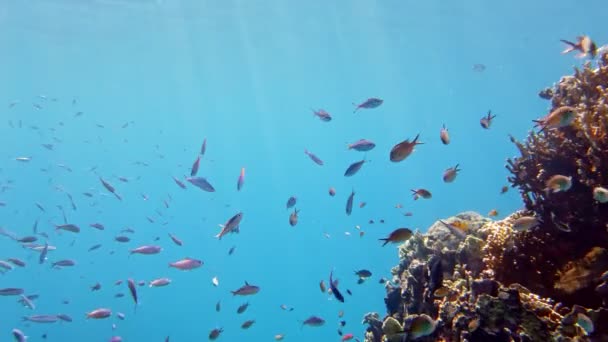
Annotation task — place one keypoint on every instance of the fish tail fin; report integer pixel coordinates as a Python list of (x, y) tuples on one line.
[(356, 107), (540, 123), (571, 46)]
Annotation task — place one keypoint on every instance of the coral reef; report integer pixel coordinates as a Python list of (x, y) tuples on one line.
[(447, 281), (573, 222), (540, 274)]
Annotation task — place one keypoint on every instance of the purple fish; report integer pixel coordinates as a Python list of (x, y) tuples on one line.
[(349, 203), (42, 256), (133, 290), (68, 227), (94, 247), (246, 290), (204, 147), (313, 157), (179, 183), (64, 263), (147, 250), (27, 239), (17, 262), (19, 335), (110, 188), (116, 339), (64, 317), (201, 183), (41, 318), (362, 145), (195, 166), (98, 226), (186, 264), (314, 321), (231, 226), (354, 168), (322, 114), (10, 291), (369, 104), (122, 238), (291, 202)]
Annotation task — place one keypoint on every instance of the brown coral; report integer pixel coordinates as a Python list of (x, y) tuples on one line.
[(572, 221)]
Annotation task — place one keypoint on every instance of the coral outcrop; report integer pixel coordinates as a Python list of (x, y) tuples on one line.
[(541, 274), (449, 278), (573, 222)]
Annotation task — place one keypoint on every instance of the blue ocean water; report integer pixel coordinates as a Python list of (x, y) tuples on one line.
[(153, 79)]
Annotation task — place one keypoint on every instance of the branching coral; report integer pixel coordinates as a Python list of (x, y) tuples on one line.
[(573, 222)]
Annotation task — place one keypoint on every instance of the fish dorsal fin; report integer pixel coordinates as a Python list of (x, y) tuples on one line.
[(246, 283)]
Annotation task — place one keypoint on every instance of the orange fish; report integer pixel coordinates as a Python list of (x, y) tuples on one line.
[(241, 180), (397, 235), (444, 135), (450, 174), (417, 193), (486, 121), (584, 44), (493, 213), (463, 226), (403, 149)]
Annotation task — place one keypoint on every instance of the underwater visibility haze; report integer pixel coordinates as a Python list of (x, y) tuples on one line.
[(303, 170)]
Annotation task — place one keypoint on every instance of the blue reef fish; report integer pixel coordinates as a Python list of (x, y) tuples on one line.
[(313, 157), (322, 115), (349, 203), (291, 202), (354, 168), (195, 166), (201, 183), (215, 333), (334, 288), (110, 188), (314, 321), (368, 104), (362, 145), (19, 336)]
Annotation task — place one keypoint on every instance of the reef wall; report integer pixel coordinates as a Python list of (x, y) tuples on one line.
[(541, 274)]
